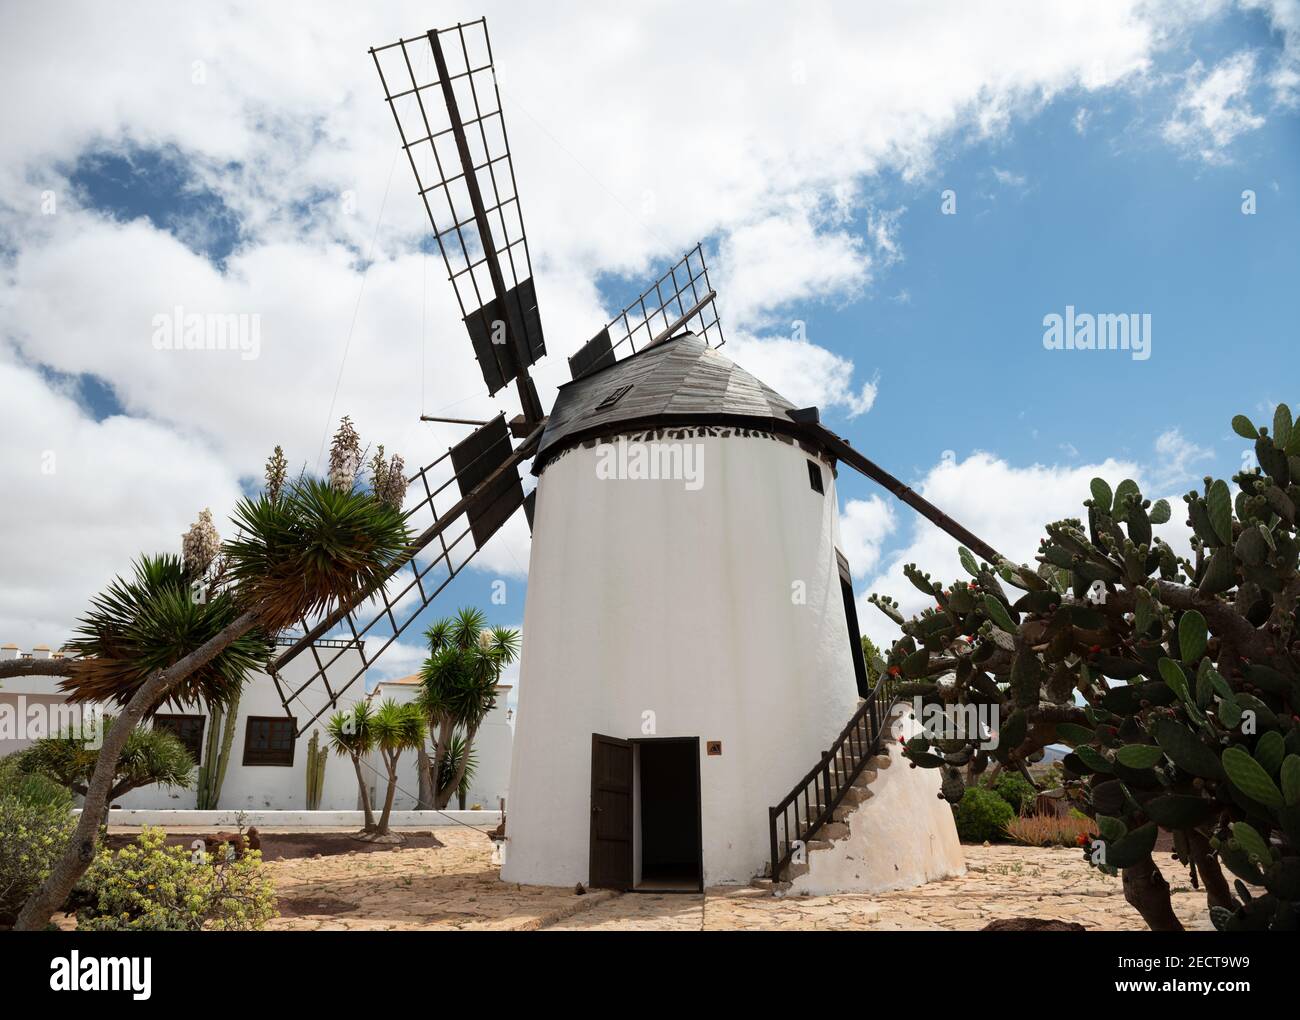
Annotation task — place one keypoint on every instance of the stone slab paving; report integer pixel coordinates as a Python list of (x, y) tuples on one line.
[(1001, 881), (457, 887)]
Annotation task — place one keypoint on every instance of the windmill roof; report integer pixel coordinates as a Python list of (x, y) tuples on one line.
[(678, 381)]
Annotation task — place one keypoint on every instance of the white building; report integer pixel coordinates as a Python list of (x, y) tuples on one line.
[(267, 767), (690, 642)]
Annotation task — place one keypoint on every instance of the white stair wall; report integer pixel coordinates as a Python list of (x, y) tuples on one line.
[(900, 837)]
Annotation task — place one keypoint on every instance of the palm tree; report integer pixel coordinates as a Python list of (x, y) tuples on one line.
[(458, 688), (302, 548), (396, 728), (350, 736), (458, 753), (150, 756)]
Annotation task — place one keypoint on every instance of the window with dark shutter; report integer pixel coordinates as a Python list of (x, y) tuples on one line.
[(614, 397), (188, 729), (269, 740), (815, 477)]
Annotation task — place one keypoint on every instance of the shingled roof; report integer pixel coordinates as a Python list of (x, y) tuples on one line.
[(679, 381)]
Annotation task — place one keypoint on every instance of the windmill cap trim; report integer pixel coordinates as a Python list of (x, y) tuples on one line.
[(677, 382)]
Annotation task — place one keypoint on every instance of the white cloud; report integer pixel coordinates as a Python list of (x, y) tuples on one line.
[(505, 557), (624, 160), (400, 659), (1008, 178), (84, 498), (803, 373), (1176, 457), (787, 258), (1284, 19), (1005, 505), (864, 526), (1214, 109), (1008, 506)]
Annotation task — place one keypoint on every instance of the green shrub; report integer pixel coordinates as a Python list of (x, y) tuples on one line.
[(148, 886), (33, 790), (34, 831), (1016, 791), (982, 815)]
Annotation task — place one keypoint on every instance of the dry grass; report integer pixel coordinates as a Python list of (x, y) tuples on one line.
[(1051, 830)]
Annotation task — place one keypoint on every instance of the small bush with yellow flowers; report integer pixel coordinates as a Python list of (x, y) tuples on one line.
[(149, 886)]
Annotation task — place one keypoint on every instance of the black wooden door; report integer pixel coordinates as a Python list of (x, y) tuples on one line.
[(611, 813)]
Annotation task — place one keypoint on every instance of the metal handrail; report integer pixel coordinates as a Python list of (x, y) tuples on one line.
[(822, 790)]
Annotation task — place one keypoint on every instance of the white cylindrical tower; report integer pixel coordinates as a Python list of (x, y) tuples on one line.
[(704, 606)]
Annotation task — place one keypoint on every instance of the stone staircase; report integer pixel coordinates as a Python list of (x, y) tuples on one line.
[(835, 830)]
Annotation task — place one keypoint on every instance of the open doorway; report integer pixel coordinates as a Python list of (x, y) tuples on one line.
[(667, 839)]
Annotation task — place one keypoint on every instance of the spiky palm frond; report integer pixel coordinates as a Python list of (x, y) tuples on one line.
[(458, 680), (456, 750), (440, 674), (154, 756), (467, 626), (458, 684), (471, 701), (150, 621), (302, 555), (349, 731), (150, 756), (504, 645), (439, 635), (397, 727)]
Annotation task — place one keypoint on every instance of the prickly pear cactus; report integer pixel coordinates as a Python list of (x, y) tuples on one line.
[(1173, 680)]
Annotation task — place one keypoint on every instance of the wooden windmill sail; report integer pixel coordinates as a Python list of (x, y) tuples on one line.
[(442, 91)]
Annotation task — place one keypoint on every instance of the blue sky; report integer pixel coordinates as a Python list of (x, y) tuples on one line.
[(1109, 177), (1099, 219)]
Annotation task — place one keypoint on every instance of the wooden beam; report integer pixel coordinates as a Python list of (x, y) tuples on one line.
[(842, 450)]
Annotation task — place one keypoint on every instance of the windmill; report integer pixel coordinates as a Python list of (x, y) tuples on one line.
[(653, 373)]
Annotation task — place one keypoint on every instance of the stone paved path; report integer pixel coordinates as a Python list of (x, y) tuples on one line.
[(1001, 881), (457, 887)]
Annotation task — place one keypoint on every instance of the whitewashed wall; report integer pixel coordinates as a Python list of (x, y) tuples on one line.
[(645, 596), (247, 787)]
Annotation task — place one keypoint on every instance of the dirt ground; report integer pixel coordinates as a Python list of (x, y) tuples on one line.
[(451, 886), (456, 886)]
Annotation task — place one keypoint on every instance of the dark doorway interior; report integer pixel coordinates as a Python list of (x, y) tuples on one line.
[(669, 774)]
